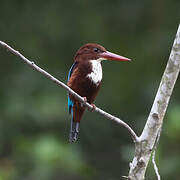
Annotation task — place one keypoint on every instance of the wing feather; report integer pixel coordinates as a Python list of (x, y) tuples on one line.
[(70, 102)]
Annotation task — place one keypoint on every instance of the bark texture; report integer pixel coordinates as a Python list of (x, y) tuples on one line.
[(144, 147), (145, 143)]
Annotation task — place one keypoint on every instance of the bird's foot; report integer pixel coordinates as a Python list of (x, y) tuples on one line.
[(85, 101), (90, 109), (93, 109)]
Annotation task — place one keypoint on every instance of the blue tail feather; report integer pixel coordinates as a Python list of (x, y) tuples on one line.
[(74, 129), (70, 103)]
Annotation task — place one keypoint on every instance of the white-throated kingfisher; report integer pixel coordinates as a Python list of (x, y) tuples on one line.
[(85, 78)]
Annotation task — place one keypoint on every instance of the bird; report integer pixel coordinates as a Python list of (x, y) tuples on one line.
[(85, 78)]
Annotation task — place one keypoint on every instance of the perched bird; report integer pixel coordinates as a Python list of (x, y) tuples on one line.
[(84, 77)]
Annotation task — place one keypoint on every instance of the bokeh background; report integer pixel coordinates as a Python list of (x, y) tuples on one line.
[(34, 121)]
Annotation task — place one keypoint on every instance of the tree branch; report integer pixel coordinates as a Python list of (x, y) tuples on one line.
[(154, 154), (144, 147), (59, 83), (145, 143)]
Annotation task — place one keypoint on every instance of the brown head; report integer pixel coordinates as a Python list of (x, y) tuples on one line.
[(92, 51)]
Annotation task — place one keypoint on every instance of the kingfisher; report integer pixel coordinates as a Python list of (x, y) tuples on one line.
[(85, 77)]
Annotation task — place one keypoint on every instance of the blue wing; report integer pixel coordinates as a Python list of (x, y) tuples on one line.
[(70, 103)]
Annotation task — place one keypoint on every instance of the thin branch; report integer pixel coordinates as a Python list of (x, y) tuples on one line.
[(78, 97), (155, 165), (144, 147), (154, 155)]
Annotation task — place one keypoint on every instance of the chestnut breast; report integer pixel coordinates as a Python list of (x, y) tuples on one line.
[(86, 79)]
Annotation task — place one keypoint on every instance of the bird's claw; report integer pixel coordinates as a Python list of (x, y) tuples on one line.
[(85, 101), (90, 109), (93, 109)]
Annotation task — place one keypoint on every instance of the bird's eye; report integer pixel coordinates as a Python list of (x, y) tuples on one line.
[(96, 50)]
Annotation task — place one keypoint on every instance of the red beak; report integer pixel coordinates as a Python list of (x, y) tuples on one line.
[(114, 57)]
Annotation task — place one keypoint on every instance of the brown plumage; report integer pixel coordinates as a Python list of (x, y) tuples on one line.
[(85, 79)]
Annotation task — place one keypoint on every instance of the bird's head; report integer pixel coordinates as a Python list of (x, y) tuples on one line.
[(92, 51)]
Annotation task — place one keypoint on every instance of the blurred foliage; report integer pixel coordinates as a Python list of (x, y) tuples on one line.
[(34, 122)]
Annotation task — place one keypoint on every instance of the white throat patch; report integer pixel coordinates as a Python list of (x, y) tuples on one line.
[(96, 74)]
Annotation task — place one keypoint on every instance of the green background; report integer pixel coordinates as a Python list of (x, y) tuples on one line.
[(34, 121)]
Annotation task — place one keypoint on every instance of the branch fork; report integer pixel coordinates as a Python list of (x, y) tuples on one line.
[(146, 143)]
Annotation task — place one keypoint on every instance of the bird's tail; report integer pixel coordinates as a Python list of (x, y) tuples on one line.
[(74, 131)]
